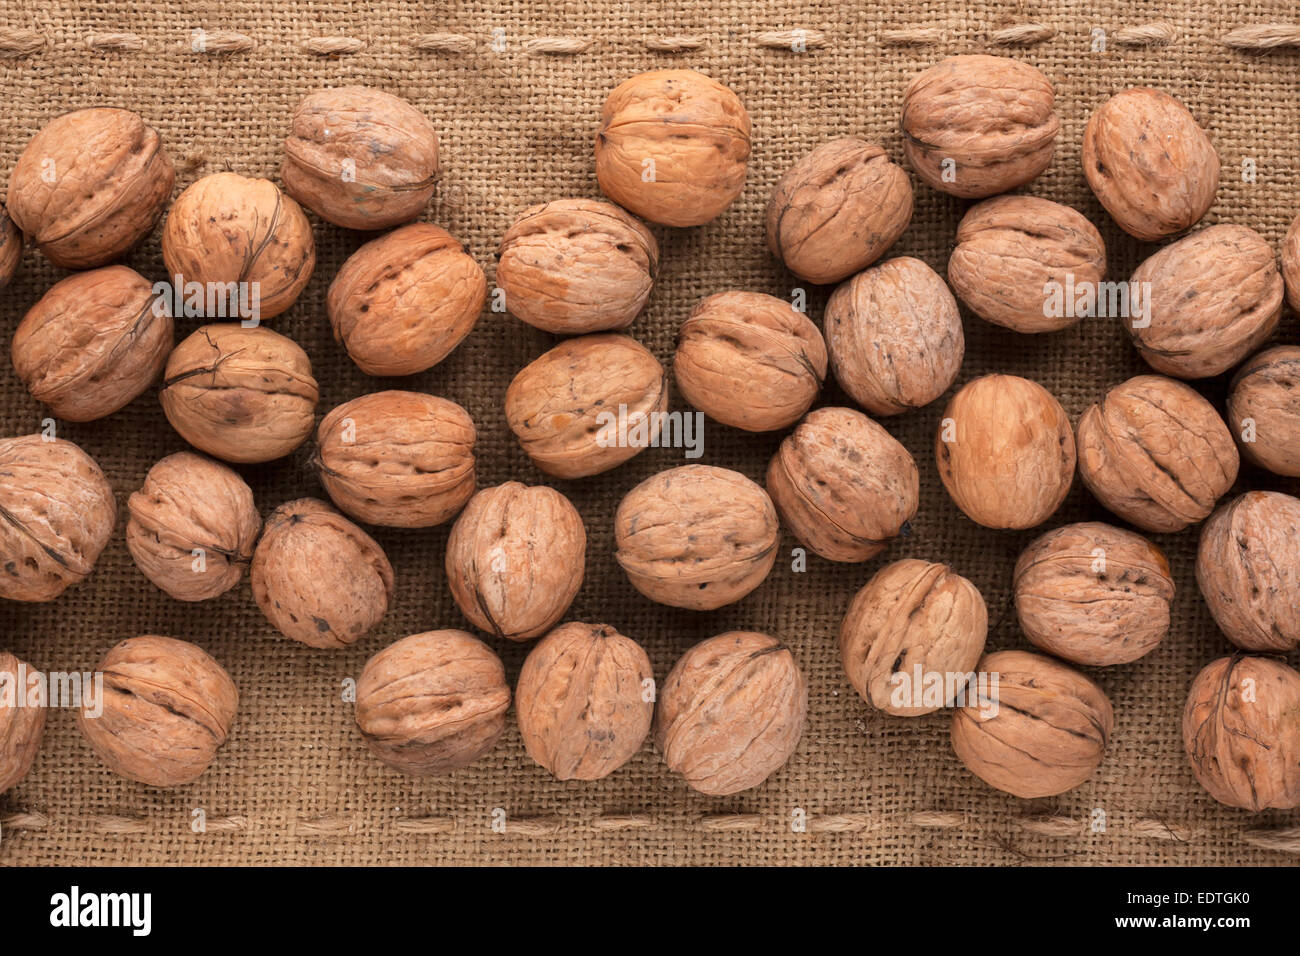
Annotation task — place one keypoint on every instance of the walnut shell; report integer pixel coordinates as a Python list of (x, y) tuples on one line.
[(1093, 594), (1011, 249), (1041, 730), (93, 343), (402, 459), (1156, 453), (673, 147), (1215, 297), (978, 125), (22, 719), (566, 407), (241, 394), (1241, 730), (515, 559), (731, 712), (696, 536), (1153, 168), (90, 185), (894, 336), (1290, 263), (843, 484), (11, 248), (911, 635), (577, 265), (59, 512), (1248, 568), (192, 527), (750, 360), (360, 158), (167, 708), (1264, 409), (837, 210), (1005, 451), (582, 701), (432, 702), (226, 231)]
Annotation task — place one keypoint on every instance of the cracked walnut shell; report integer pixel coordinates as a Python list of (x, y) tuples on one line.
[(1264, 409), (11, 248), (22, 719)]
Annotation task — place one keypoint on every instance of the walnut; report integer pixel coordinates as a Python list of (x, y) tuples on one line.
[(894, 336), (1264, 409), (696, 536), (731, 712), (248, 246), (1156, 453), (360, 158), (843, 484), (1012, 249), (192, 527), (978, 125), (1241, 730), (404, 301), (1031, 726), (432, 702), (911, 636), (402, 459), (1094, 594), (90, 185), (1290, 264), (11, 248), (1214, 298), (58, 511), (584, 701), (515, 559), (1248, 568), (22, 719), (167, 708), (588, 405), (93, 343), (750, 360), (837, 210), (241, 394), (1005, 451), (673, 147), (1153, 168)]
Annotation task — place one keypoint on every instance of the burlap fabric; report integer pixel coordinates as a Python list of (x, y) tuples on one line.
[(515, 88)]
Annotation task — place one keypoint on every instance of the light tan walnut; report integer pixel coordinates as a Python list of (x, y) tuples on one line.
[(11, 248), (22, 719), (1264, 409)]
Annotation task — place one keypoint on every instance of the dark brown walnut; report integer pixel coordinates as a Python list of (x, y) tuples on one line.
[(402, 459), (167, 709), (1156, 453), (673, 147), (574, 266), (404, 301), (1264, 409), (1248, 568), (93, 343), (57, 512), (241, 394), (318, 578), (1291, 264), (1153, 168), (11, 248), (843, 484), (837, 210), (247, 245), (360, 158), (911, 636), (1093, 594), (1241, 730), (585, 701), (515, 559), (1041, 730), (750, 360), (432, 702), (894, 336), (731, 712), (978, 125), (696, 536), (588, 405), (90, 185), (1214, 298), (22, 719), (1012, 249), (1005, 451), (192, 527)]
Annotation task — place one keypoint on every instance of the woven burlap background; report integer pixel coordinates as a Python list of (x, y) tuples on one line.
[(515, 88)]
